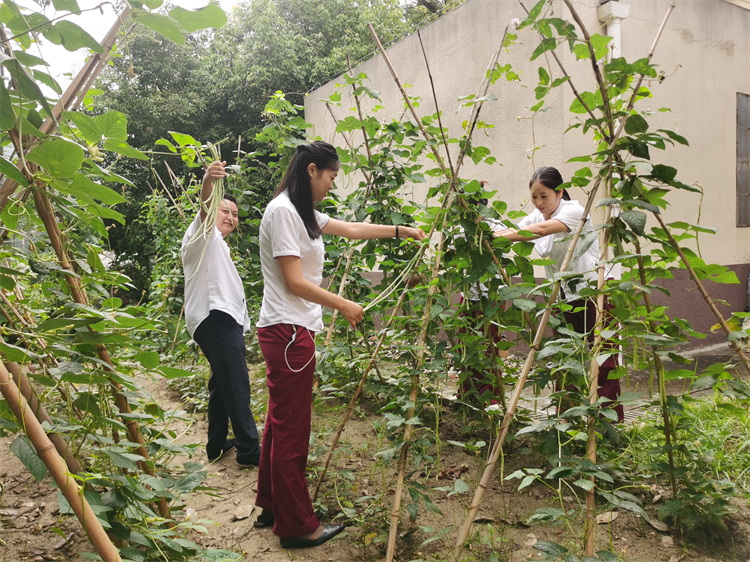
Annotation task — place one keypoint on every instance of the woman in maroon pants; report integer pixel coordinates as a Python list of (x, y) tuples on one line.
[(551, 224), (292, 257)]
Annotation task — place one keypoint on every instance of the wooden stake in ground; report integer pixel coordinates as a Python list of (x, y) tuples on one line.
[(57, 468)]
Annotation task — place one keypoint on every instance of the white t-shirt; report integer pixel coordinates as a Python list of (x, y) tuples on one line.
[(211, 279), (282, 233), (474, 294), (555, 246)]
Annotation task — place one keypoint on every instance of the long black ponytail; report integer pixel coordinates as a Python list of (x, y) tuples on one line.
[(296, 181), (549, 177)]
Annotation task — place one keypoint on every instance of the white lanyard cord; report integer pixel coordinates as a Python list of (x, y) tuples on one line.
[(294, 336)]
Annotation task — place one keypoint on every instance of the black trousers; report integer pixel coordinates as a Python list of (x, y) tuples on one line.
[(222, 342)]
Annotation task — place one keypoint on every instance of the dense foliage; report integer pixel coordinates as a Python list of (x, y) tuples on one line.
[(69, 330)]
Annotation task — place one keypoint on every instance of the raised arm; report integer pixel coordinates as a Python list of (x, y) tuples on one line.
[(214, 171), (368, 231), (291, 270), (539, 230)]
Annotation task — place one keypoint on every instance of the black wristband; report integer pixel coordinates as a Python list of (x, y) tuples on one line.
[(396, 232)]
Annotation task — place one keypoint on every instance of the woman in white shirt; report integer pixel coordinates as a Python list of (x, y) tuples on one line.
[(292, 257), (551, 224)]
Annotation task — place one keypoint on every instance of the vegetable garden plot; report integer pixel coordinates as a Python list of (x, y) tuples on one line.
[(65, 318)]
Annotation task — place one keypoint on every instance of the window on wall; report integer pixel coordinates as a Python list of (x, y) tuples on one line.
[(743, 160)]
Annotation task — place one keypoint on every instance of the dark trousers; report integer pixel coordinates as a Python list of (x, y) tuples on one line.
[(282, 487), (222, 342), (584, 322)]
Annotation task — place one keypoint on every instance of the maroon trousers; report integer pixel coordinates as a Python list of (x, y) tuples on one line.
[(282, 487), (583, 322)]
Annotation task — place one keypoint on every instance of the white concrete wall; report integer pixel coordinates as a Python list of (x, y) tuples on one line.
[(704, 52)]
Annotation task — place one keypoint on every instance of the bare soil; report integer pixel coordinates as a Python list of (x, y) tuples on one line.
[(29, 509)]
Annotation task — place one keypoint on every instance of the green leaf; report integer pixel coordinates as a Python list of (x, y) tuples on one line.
[(26, 453), (123, 148), (584, 243), (533, 14), (547, 44), (460, 487), (524, 304), (87, 126), (588, 98), (674, 136), (153, 4), (543, 76), (60, 158), (88, 402), (163, 25), (66, 5), (27, 59), (123, 460), (174, 373), (149, 359), (581, 51), (635, 124), (16, 353), (550, 547), (635, 220), (113, 125), (188, 482), (182, 139), (585, 484), (72, 37), (664, 173), (203, 18), (7, 115), (28, 86), (83, 188), (8, 169)]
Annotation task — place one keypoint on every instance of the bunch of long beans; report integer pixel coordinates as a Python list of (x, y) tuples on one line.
[(210, 205)]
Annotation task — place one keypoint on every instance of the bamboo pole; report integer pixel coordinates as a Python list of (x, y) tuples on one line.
[(61, 445), (659, 373), (370, 364), (565, 74), (495, 454), (58, 469), (396, 510), (79, 295), (89, 72), (355, 397), (595, 67), (453, 176), (590, 525), (706, 297)]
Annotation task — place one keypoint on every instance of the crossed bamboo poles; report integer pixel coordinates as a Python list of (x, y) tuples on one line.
[(51, 453)]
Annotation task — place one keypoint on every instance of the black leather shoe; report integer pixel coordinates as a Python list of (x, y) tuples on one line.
[(229, 446), (266, 519), (329, 531)]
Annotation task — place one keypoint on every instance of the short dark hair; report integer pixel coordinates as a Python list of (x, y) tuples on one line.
[(231, 198), (296, 182), (549, 177)]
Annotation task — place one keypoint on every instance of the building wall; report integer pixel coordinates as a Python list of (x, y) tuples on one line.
[(704, 54)]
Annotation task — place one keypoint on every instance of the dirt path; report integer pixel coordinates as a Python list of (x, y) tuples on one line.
[(28, 510)]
